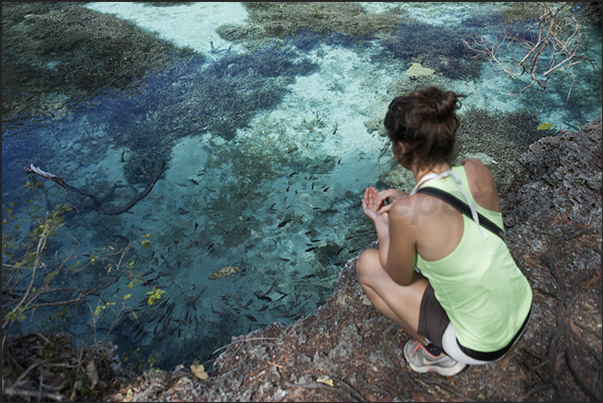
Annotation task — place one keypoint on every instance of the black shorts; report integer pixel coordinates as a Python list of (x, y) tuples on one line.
[(433, 320)]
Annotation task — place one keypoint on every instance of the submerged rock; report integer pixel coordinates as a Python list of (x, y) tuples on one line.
[(226, 272)]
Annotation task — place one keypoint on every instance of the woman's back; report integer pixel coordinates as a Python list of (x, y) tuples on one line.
[(439, 226)]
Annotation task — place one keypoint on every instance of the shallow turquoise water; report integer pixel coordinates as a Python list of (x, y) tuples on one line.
[(275, 194)]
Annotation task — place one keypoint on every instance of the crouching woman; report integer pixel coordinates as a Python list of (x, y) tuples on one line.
[(443, 277)]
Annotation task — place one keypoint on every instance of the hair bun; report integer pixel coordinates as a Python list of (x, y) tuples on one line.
[(446, 104)]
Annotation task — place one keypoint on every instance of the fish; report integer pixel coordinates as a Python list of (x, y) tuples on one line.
[(310, 249), (327, 188), (287, 189), (284, 259), (196, 225), (251, 318), (227, 271), (249, 302), (194, 181), (309, 276), (121, 237), (183, 212), (262, 309), (193, 299), (284, 222)]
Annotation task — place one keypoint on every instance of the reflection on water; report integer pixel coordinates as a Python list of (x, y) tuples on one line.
[(270, 140)]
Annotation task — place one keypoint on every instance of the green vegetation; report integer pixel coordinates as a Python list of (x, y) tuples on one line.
[(48, 293)]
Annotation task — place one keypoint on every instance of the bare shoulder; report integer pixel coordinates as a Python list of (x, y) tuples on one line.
[(481, 183)]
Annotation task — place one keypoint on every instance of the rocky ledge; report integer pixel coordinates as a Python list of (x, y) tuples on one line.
[(347, 351)]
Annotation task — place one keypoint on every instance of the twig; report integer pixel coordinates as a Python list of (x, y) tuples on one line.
[(546, 258), (446, 388), (349, 388), (345, 396), (11, 391), (590, 392), (240, 341)]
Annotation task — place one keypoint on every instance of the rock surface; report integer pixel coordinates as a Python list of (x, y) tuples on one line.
[(348, 351)]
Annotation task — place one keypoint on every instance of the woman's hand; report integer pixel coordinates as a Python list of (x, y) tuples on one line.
[(371, 203), (386, 198)]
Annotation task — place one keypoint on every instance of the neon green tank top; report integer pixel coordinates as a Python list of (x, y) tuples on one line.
[(485, 295)]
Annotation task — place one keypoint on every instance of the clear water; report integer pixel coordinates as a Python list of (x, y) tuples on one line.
[(273, 190)]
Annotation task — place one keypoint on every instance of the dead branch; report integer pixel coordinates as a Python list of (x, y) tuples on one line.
[(560, 45), (97, 203)]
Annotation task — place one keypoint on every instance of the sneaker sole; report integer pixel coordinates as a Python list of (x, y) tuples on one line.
[(451, 371), (440, 370)]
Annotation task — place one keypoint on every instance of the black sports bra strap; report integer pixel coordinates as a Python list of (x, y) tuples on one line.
[(463, 208)]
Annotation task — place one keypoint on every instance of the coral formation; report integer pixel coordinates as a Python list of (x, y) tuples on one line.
[(287, 19), (66, 49), (416, 70), (439, 48)]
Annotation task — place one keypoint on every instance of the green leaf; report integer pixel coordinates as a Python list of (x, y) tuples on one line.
[(50, 276), (152, 299), (127, 296)]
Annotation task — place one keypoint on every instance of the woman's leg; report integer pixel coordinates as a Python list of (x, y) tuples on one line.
[(401, 304)]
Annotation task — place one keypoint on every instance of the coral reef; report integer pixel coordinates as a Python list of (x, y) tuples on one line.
[(435, 47), (287, 19), (68, 50), (189, 99)]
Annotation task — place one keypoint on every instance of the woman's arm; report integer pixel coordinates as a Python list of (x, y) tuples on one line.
[(402, 251), (394, 227), (371, 203)]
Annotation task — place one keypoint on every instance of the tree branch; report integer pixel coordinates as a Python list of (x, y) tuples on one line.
[(98, 204)]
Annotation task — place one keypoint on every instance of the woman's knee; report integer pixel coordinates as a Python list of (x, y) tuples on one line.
[(367, 265)]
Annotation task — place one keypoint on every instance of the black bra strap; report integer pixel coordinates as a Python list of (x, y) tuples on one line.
[(463, 208)]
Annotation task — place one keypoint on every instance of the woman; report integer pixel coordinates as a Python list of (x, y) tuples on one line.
[(442, 277)]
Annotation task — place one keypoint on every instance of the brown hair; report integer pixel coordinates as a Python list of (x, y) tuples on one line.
[(425, 121)]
